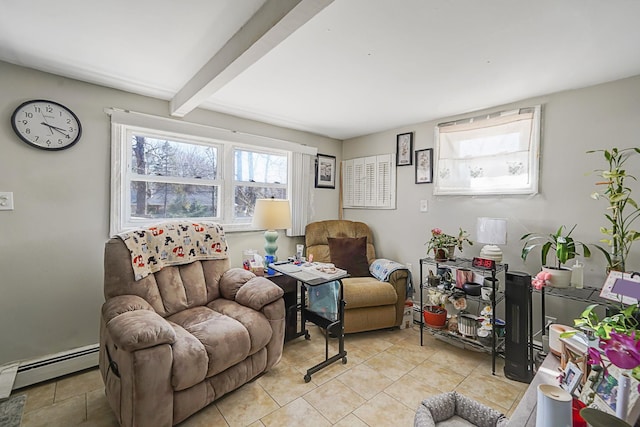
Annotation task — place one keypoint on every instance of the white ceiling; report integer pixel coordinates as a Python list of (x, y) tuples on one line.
[(356, 67)]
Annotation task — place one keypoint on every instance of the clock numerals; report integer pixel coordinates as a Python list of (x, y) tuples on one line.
[(483, 263), (46, 124)]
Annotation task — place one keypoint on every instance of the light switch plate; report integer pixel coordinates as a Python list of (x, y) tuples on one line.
[(6, 201), (424, 206)]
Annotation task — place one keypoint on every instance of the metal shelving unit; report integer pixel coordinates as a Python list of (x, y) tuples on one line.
[(497, 343), (587, 294)]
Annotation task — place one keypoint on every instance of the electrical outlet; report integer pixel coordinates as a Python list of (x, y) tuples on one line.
[(6, 201)]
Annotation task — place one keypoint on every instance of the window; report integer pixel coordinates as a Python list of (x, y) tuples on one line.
[(162, 174), (496, 154), (369, 182), (171, 179), (257, 175)]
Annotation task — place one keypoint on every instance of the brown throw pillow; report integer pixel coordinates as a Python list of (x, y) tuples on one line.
[(350, 253)]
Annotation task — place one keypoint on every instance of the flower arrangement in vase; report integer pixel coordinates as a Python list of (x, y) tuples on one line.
[(443, 245)]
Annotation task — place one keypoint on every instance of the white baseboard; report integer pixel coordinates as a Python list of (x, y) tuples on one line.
[(7, 378), (56, 365)]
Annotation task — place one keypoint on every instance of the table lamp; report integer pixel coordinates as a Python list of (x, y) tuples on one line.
[(271, 215), (492, 232)]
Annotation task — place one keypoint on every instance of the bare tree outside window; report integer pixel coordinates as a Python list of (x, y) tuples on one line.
[(169, 174), (173, 179)]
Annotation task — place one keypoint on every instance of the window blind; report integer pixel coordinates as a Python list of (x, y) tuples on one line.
[(369, 182)]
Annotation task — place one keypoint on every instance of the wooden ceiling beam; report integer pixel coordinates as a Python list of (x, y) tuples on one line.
[(269, 26)]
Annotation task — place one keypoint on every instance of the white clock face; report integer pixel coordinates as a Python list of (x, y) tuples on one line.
[(46, 124)]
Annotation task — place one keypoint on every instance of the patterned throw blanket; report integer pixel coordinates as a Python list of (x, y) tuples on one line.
[(174, 243), (382, 268)]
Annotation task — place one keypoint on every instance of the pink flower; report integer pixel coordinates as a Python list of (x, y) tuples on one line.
[(623, 350), (436, 231), (542, 279), (594, 356)]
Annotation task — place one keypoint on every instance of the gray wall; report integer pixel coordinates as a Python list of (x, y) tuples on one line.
[(598, 117), (51, 245)]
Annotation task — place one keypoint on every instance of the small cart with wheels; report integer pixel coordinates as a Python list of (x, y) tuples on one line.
[(333, 326)]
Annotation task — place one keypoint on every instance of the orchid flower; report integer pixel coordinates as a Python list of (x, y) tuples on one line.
[(623, 350)]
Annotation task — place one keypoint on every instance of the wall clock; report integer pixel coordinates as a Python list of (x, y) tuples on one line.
[(46, 124)]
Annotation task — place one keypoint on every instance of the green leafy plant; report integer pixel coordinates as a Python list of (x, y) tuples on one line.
[(563, 245), (623, 322), (622, 210), (617, 338), (442, 240)]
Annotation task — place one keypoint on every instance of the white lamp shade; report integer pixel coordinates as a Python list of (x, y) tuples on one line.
[(272, 214), (492, 231)]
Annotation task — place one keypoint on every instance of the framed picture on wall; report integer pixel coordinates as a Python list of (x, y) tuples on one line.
[(325, 171), (404, 149), (424, 166)]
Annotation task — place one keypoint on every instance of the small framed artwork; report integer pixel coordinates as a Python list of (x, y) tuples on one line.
[(571, 377), (424, 166), (325, 171), (404, 153)]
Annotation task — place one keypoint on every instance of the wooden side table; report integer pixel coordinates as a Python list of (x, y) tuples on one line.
[(290, 287)]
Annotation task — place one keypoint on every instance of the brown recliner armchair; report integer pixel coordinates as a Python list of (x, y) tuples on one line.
[(182, 336), (370, 303)]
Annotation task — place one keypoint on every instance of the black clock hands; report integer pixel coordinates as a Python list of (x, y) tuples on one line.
[(55, 128)]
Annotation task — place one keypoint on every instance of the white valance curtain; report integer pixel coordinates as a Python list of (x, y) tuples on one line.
[(490, 155)]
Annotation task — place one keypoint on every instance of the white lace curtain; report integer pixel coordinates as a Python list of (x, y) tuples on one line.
[(490, 155)]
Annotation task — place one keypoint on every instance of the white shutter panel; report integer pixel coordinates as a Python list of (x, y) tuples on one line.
[(386, 181), (347, 183), (369, 182), (358, 182)]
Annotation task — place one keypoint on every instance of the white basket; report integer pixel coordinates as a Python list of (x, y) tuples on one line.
[(467, 324)]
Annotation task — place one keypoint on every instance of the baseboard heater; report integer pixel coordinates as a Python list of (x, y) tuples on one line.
[(56, 365)]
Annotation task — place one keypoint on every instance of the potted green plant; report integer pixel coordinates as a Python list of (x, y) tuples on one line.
[(443, 245), (622, 210), (623, 321), (563, 246)]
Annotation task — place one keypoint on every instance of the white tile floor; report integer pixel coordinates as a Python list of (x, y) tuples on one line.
[(387, 375)]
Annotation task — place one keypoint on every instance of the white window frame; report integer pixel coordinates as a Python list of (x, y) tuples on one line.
[(485, 124), (369, 182), (125, 123)]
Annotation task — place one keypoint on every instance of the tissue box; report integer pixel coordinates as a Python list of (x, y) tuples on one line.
[(257, 268)]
